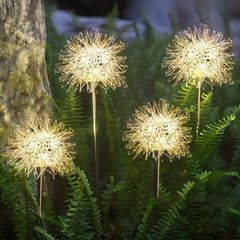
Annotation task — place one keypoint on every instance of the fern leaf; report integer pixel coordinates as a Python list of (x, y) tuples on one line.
[(131, 195), (83, 219), (142, 229), (163, 191), (108, 209), (185, 189), (21, 199), (209, 138), (194, 166), (169, 217), (237, 216), (186, 95), (71, 112), (43, 232), (235, 132), (214, 175), (93, 202), (207, 112), (204, 175), (112, 130), (68, 110)]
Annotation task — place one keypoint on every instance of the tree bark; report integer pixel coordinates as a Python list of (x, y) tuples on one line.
[(23, 78)]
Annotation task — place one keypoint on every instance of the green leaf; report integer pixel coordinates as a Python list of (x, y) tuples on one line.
[(19, 193), (83, 219), (168, 218), (44, 233), (209, 139), (186, 96), (185, 189), (143, 227)]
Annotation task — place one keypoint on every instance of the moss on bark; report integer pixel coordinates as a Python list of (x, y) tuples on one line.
[(23, 79)]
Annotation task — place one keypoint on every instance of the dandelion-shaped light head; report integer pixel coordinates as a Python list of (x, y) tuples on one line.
[(199, 55), (91, 59), (37, 145), (158, 129)]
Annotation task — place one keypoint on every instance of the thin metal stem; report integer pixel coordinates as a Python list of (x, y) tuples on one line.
[(199, 109), (40, 193), (95, 140)]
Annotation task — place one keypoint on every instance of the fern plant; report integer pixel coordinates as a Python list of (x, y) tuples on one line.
[(198, 196), (209, 138), (83, 220), (19, 194)]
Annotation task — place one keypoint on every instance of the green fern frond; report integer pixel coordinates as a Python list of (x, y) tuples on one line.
[(43, 233), (18, 194), (131, 195), (72, 113), (209, 139), (204, 175), (77, 223), (206, 101), (93, 203), (170, 224), (50, 218), (235, 132), (186, 96), (112, 130), (69, 111), (163, 191), (114, 14), (173, 23), (207, 111), (237, 229), (214, 175), (83, 219), (108, 209), (185, 189), (194, 166), (179, 230), (143, 227), (168, 218), (235, 211), (145, 79), (136, 30)]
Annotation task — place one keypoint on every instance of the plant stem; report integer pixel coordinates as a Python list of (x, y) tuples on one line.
[(95, 141), (199, 105), (40, 193)]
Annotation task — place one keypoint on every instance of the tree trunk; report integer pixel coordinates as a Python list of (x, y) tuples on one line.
[(23, 78)]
